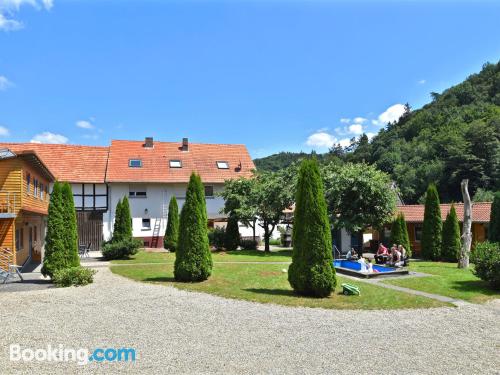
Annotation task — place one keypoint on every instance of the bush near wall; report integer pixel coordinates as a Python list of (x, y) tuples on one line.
[(73, 276), (122, 249)]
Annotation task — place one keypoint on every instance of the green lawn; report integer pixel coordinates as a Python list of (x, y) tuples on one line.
[(448, 280), (284, 255), (265, 283)]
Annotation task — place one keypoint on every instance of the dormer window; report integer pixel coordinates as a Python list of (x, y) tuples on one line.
[(222, 165), (135, 163), (175, 164)]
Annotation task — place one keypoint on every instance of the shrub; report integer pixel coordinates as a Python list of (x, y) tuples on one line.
[(450, 248), (71, 229), (73, 276), (433, 225), (232, 237), (121, 249), (249, 244), (494, 228), (311, 272), (55, 240), (172, 233), (486, 257), (118, 225), (126, 220), (216, 237), (193, 261), (275, 241)]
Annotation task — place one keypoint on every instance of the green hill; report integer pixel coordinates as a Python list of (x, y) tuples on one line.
[(455, 136)]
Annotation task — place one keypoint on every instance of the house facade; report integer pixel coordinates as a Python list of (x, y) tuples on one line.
[(414, 216), (24, 201), (149, 173)]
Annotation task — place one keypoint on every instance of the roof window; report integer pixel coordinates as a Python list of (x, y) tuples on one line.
[(135, 163), (222, 165), (175, 164)]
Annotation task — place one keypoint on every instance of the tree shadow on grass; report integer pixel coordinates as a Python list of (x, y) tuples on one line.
[(160, 279), (257, 253), (475, 286), (272, 292)]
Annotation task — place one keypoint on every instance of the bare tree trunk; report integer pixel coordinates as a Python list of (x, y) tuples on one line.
[(463, 262)]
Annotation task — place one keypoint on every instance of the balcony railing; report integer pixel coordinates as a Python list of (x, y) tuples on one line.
[(10, 203)]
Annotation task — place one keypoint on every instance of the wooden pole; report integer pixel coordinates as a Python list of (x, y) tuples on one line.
[(463, 262)]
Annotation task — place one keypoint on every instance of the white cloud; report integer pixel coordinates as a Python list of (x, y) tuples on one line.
[(391, 114), (345, 120), (422, 81), (356, 129), (84, 124), (7, 24), (8, 8), (370, 135), (345, 142), (4, 132), (321, 139), (4, 83), (48, 137), (359, 120)]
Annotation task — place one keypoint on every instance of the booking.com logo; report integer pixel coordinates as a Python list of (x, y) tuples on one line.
[(81, 356)]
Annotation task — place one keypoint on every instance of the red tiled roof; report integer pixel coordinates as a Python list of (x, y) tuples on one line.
[(69, 163), (480, 212), (201, 158)]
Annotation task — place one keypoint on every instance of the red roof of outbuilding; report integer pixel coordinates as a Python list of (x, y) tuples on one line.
[(69, 163), (201, 158), (415, 213)]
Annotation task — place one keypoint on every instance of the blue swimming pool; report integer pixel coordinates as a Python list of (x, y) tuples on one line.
[(354, 268)]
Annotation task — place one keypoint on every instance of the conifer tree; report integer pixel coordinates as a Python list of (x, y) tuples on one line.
[(70, 226), (126, 220), (494, 228), (405, 239), (172, 232), (193, 261), (118, 226), (450, 248), (311, 272), (232, 235), (396, 231), (55, 241), (432, 227)]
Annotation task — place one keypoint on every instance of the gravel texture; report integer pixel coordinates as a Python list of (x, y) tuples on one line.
[(177, 332)]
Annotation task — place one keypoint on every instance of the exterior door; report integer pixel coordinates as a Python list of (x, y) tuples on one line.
[(30, 240)]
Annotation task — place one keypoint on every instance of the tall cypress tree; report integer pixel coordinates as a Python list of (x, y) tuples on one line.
[(71, 229), (396, 234), (232, 235), (193, 261), (494, 228), (55, 241), (450, 248), (311, 272), (405, 239), (433, 225), (126, 220), (172, 232), (118, 226)]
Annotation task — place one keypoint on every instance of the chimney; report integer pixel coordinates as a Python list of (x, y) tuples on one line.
[(185, 144), (148, 143)]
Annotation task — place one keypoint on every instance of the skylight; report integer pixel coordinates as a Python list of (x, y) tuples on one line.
[(175, 164), (222, 165), (5, 153), (135, 163)]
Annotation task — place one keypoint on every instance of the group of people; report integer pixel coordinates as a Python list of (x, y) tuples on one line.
[(396, 256)]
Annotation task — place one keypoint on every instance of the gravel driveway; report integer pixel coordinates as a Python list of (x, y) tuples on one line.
[(182, 332)]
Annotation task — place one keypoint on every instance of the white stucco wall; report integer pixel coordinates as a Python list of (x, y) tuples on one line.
[(156, 204)]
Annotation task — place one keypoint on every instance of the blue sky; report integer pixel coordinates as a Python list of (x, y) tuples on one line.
[(275, 75)]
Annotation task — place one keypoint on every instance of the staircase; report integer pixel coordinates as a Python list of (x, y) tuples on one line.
[(156, 233)]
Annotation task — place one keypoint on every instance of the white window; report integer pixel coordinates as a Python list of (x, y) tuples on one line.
[(209, 191), (28, 183), (222, 165), (146, 224), (137, 191), (135, 163), (35, 187), (19, 239), (175, 164)]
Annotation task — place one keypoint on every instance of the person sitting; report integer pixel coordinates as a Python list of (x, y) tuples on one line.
[(352, 255), (396, 259), (382, 254)]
